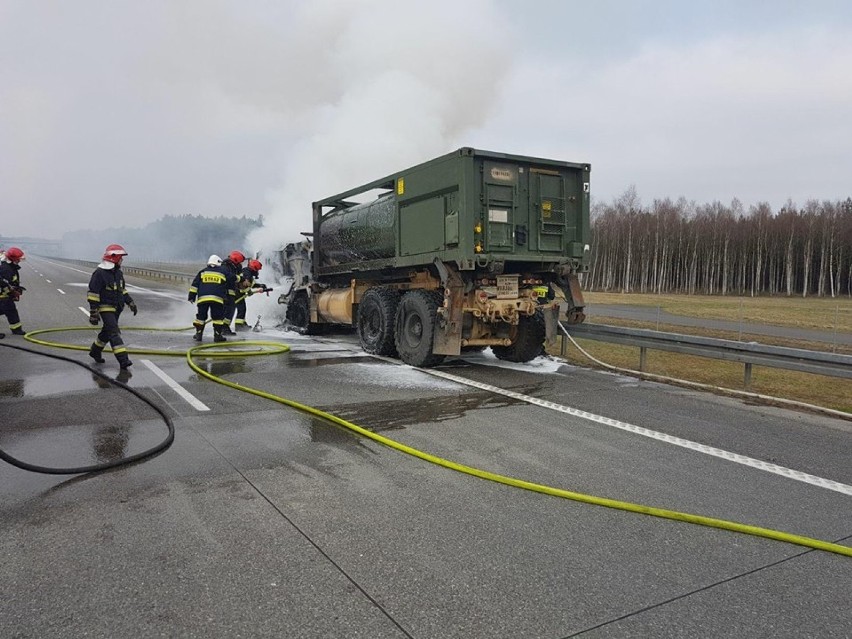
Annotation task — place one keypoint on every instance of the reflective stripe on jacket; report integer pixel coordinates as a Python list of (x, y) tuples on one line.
[(213, 284), (107, 292)]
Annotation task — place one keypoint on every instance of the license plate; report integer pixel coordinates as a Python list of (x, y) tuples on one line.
[(507, 287)]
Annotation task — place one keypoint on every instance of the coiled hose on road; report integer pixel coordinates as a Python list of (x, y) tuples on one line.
[(277, 347)]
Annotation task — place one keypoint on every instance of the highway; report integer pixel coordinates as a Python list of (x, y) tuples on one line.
[(264, 521)]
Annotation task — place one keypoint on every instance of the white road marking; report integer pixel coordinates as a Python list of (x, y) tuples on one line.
[(789, 473), (85, 310), (61, 291), (48, 281), (180, 390)]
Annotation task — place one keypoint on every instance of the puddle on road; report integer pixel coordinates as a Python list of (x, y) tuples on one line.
[(392, 415), (45, 384), (314, 362), (73, 445)]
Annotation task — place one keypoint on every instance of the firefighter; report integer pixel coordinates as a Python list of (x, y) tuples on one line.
[(233, 264), (211, 288), (107, 297), (247, 282), (10, 287)]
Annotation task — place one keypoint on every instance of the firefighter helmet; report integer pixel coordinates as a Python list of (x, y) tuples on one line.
[(214, 260), (236, 257), (255, 265), (114, 252), (14, 254)]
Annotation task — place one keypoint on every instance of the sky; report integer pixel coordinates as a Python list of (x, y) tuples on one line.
[(114, 113)]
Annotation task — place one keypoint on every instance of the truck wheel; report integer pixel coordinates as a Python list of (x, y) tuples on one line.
[(529, 343), (376, 315), (416, 319), (298, 316)]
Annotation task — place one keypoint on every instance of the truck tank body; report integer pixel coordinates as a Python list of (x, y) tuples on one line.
[(359, 233)]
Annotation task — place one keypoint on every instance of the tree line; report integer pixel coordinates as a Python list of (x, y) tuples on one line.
[(717, 249), (173, 238)]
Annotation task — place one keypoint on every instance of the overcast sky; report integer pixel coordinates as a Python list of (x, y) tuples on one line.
[(116, 113)]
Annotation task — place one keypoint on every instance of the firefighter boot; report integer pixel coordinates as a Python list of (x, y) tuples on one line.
[(95, 353), (217, 334), (123, 361), (198, 334), (226, 330), (18, 331)]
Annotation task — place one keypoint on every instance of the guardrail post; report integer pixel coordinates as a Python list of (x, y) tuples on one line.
[(643, 353), (747, 376), (562, 347)]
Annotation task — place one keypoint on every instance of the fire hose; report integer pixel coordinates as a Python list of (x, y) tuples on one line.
[(277, 347)]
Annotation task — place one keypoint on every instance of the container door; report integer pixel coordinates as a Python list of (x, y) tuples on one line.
[(500, 195), (548, 206)]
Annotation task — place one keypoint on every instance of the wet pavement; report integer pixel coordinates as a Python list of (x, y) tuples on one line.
[(263, 521)]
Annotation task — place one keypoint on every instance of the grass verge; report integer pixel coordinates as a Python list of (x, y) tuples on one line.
[(833, 314)]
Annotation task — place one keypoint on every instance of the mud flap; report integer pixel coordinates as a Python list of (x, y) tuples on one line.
[(450, 317), (551, 323)]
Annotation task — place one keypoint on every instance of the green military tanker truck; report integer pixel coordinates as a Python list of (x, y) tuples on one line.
[(472, 249)]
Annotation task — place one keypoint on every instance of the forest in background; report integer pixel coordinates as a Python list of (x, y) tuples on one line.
[(667, 247), (173, 238), (716, 249)]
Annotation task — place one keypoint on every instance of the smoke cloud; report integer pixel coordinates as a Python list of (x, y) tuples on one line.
[(397, 84)]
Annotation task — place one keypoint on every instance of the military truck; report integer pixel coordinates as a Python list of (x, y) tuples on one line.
[(469, 250)]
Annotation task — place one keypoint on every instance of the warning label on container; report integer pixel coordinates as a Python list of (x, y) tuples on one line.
[(498, 215)]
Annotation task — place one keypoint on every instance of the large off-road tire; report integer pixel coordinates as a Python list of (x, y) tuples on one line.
[(415, 325), (298, 316), (529, 343), (375, 322)]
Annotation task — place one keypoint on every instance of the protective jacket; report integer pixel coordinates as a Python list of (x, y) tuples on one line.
[(107, 292), (234, 269), (247, 275), (216, 284), (10, 282)]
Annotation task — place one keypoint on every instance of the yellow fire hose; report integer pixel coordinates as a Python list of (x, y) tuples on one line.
[(270, 348)]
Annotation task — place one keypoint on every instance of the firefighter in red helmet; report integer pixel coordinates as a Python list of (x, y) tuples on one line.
[(107, 297), (234, 265), (247, 282), (10, 287)]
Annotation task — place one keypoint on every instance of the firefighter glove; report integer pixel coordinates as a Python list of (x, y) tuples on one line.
[(132, 307), (94, 317), (191, 298)]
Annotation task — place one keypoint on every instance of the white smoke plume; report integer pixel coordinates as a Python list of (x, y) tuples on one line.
[(392, 84)]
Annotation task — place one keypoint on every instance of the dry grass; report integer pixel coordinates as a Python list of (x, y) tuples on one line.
[(829, 392), (824, 314)]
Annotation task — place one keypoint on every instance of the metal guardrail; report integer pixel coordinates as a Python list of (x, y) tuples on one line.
[(749, 353), (136, 270)]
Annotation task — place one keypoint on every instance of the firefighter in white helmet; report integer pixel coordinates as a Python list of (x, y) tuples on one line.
[(211, 288)]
